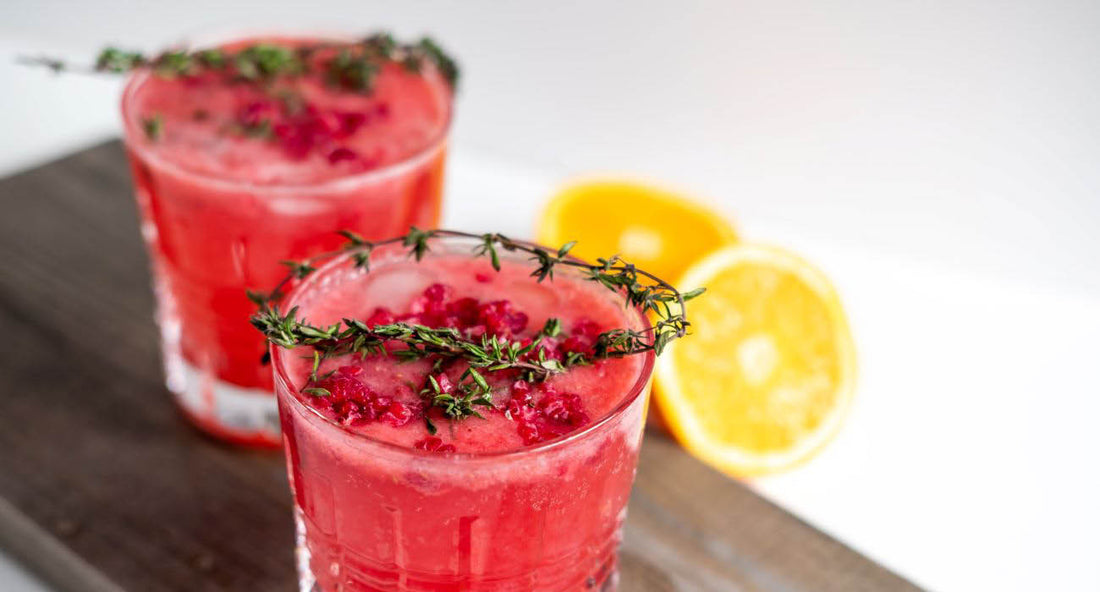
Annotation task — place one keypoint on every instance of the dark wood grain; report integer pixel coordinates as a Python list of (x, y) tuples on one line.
[(103, 487)]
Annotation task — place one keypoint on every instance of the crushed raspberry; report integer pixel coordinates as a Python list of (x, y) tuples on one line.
[(557, 414), (520, 411), (483, 278), (540, 412), (586, 328), (563, 408), (398, 414), (431, 308), (464, 312), (353, 403), (582, 339), (574, 344), (436, 292), (521, 389), (254, 113), (445, 383), (347, 412), (520, 407), (307, 129), (342, 154), (343, 387), (350, 122), (299, 127), (529, 433), (381, 316), (434, 444), (296, 141), (501, 319), (323, 123), (373, 407)]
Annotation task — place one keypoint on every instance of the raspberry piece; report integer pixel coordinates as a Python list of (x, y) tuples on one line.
[(582, 339), (353, 403), (296, 141), (501, 319), (342, 154), (557, 414), (575, 344), (529, 433), (563, 408), (517, 321), (434, 444), (521, 389), (429, 443), (343, 387), (436, 292), (310, 129), (519, 406), (344, 408), (252, 114), (463, 312), (324, 123), (375, 407), (444, 382), (350, 122), (520, 411), (381, 316), (586, 328), (430, 307), (398, 414)]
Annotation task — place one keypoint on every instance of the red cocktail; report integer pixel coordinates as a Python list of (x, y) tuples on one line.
[(252, 153), (524, 491)]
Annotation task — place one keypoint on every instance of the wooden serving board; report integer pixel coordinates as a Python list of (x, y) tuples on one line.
[(104, 487)]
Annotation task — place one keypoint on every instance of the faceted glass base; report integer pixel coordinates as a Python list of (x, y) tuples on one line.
[(241, 415), (308, 583)]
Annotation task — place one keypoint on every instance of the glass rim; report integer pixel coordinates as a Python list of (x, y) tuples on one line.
[(640, 385), (130, 131)]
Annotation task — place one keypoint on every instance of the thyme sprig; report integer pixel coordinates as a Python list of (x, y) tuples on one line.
[(353, 66), (650, 294), (461, 400)]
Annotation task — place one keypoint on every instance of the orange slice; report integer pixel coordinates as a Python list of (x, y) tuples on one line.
[(766, 377), (657, 230)]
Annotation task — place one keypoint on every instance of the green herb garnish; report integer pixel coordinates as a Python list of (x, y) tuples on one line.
[(490, 353), (352, 68)]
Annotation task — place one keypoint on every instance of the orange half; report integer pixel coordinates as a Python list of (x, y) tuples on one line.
[(766, 377), (657, 230)]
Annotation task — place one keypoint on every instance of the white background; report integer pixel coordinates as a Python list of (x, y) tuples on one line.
[(937, 159)]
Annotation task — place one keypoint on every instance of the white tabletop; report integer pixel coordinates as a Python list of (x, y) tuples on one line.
[(937, 162)]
